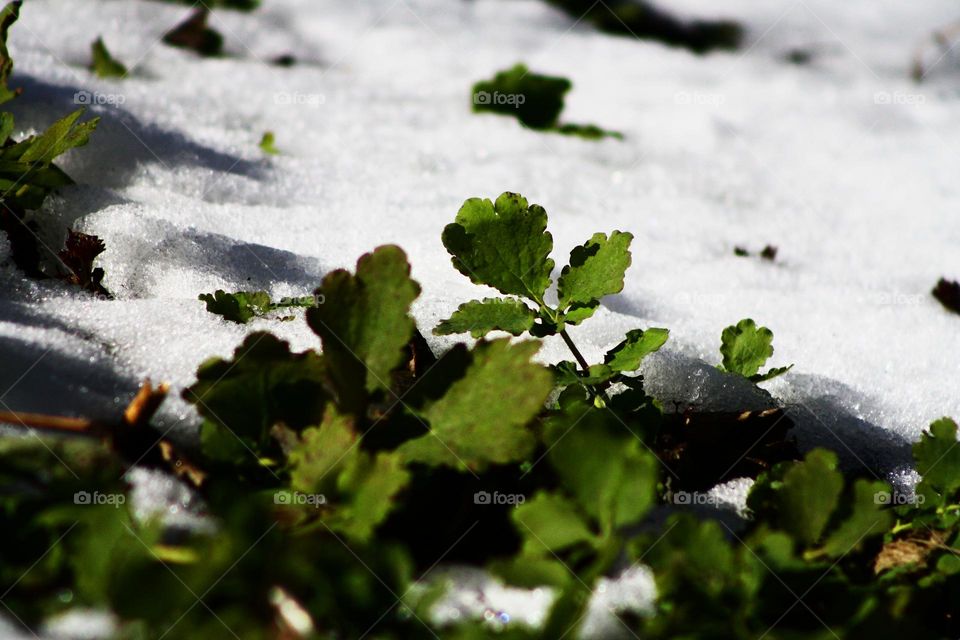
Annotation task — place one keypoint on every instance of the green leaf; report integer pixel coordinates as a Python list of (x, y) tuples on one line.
[(568, 372), (607, 469), (504, 245), (638, 344), (8, 16), (770, 374), (6, 126), (242, 306), (364, 323), (369, 484), (938, 457), (60, 137), (948, 564), (262, 385), (480, 317), (587, 131), (865, 519), (745, 348), (567, 612), (323, 451), (800, 496), (105, 65), (238, 307), (577, 313), (535, 100), (531, 571), (549, 523), (690, 557), (596, 269), (482, 417), (359, 487), (267, 144)]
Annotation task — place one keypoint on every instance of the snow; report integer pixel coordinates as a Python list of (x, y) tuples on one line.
[(844, 164)]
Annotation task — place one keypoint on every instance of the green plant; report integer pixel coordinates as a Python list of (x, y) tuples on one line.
[(243, 306), (103, 64), (337, 479), (28, 175), (534, 99), (746, 348), (268, 144), (505, 245)]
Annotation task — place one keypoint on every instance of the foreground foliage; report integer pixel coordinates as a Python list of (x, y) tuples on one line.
[(333, 480)]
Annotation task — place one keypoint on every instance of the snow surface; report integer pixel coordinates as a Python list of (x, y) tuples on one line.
[(844, 164)]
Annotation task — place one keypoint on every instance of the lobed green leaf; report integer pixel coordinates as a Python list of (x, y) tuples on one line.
[(482, 417), (480, 317), (504, 245), (638, 344), (596, 269), (364, 323), (104, 64)]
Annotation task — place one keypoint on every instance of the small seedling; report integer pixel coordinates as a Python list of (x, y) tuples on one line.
[(104, 64), (243, 306), (534, 99), (506, 245), (745, 348), (267, 144)]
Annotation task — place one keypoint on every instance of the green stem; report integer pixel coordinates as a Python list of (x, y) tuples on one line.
[(576, 352), (901, 527)]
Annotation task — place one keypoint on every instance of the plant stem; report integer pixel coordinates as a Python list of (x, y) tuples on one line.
[(576, 352), (596, 391), (46, 422)]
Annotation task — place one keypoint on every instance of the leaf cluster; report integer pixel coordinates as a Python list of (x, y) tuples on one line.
[(28, 175), (243, 306), (334, 477), (505, 245), (823, 555)]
